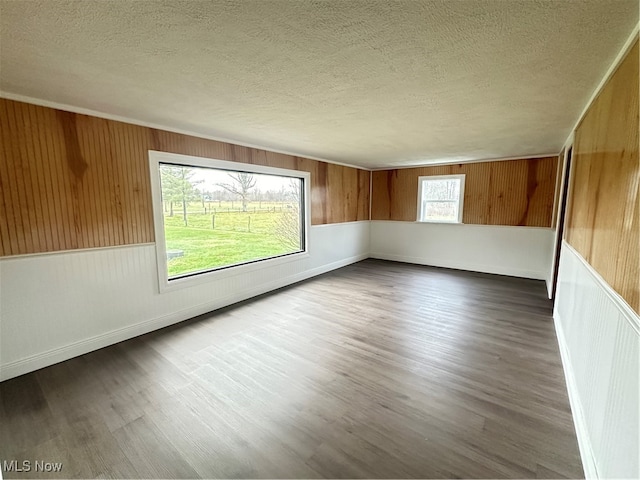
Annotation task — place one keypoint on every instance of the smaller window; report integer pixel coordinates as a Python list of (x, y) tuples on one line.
[(440, 198)]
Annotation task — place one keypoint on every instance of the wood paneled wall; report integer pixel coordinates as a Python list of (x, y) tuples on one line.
[(602, 222), (71, 181), (556, 196), (513, 192)]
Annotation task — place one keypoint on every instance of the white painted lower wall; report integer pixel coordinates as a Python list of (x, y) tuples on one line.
[(552, 261), (599, 338), (515, 251), (56, 306)]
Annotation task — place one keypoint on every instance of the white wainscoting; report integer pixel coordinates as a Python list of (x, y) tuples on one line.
[(60, 305), (599, 338), (515, 251)]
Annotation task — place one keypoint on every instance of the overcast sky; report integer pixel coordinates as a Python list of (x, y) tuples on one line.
[(210, 178)]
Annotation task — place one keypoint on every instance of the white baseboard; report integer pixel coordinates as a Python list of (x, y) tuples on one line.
[(56, 355), (582, 433), (471, 267)]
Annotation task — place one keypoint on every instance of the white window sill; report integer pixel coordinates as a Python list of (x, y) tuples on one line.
[(226, 272), (440, 222)]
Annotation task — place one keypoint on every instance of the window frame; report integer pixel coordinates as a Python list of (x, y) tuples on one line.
[(196, 278), (460, 202)]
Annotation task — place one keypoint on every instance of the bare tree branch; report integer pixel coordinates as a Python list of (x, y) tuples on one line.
[(243, 184)]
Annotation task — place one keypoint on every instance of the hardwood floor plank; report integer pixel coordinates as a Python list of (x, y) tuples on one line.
[(151, 452), (375, 370)]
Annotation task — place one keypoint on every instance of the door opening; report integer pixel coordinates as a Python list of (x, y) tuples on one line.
[(561, 221)]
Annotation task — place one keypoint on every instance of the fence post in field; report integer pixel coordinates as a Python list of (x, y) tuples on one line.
[(213, 221), (249, 224)]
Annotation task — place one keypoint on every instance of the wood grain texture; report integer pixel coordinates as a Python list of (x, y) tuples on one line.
[(514, 192), (558, 190), (419, 372), (602, 222), (70, 181)]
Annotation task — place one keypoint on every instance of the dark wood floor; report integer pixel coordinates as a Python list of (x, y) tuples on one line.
[(378, 369)]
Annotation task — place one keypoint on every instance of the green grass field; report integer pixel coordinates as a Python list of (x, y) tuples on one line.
[(237, 237)]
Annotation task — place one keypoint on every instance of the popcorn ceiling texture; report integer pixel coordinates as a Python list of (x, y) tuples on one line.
[(372, 83)]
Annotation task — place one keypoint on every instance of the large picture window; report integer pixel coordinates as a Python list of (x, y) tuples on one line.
[(212, 215), (440, 198)]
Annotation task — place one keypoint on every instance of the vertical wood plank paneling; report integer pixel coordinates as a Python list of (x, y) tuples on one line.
[(140, 143), (93, 188), (381, 191), (73, 181), (514, 192), (106, 170), (30, 171), (364, 179), (556, 196), (319, 195), (603, 224), (9, 235), (119, 194), (52, 158), (478, 191), (17, 186), (5, 243), (42, 205), (72, 167), (334, 188)]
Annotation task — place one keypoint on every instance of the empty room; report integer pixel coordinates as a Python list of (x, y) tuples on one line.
[(319, 239)]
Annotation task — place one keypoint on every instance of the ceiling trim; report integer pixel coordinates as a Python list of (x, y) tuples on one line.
[(633, 36), (140, 123), (461, 162)]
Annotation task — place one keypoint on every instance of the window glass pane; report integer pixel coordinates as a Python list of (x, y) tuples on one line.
[(216, 218), (440, 211), (441, 189)]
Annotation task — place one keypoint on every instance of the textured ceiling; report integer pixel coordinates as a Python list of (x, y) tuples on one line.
[(372, 83)]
